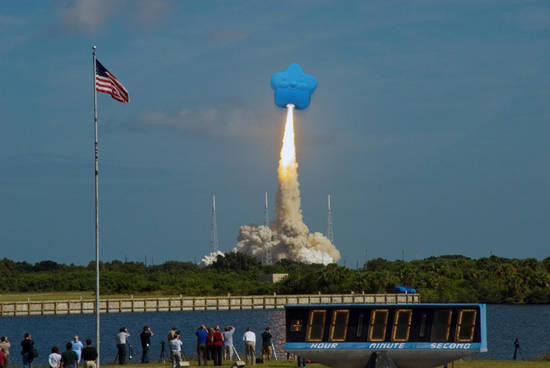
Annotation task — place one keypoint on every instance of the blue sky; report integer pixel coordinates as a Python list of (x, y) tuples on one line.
[(429, 126)]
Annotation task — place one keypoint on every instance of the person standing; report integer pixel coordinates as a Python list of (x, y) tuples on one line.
[(121, 338), (69, 358), (172, 333), (266, 344), (217, 341), (249, 339), (89, 355), (5, 344), (516, 348), (54, 359), (175, 350), (210, 344), (27, 350), (2, 358), (228, 342), (145, 338), (77, 347), (201, 334)]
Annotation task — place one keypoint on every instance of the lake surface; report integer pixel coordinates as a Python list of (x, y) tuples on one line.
[(530, 324)]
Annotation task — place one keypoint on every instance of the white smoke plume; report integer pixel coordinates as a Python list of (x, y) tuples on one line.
[(209, 259), (287, 237)]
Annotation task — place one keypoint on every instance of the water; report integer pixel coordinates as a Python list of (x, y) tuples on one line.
[(48, 331), (530, 324)]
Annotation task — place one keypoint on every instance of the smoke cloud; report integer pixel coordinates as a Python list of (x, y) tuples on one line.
[(287, 237)]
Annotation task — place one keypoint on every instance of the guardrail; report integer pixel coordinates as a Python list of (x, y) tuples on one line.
[(188, 303)]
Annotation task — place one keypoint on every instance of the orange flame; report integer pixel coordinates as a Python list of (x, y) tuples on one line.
[(287, 163)]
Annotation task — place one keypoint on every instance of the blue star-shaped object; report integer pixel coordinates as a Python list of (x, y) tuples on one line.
[(293, 86)]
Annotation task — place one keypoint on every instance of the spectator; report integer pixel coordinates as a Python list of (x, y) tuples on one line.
[(2, 358), (201, 334), (69, 359), (77, 347), (175, 350), (89, 355), (145, 338), (228, 342), (54, 359), (27, 350), (121, 338), (266, 344), (217, 342), (210, 344), (5, 344), (249, 339), (302, 362), (172, 333)]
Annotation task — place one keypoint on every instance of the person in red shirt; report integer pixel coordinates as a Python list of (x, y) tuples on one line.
[(210, 345), (217, 338), (2, 358)]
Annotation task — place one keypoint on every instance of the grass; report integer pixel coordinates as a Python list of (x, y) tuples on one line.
[(271, 364), (67, 295), (292, 364), (23, 297), (500, 364)]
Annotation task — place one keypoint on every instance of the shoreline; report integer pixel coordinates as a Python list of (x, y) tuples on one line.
[(191, 303)]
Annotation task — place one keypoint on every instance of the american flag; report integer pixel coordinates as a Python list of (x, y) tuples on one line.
[(106, 82)]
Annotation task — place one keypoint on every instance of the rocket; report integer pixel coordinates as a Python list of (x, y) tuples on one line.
[(293, 87)]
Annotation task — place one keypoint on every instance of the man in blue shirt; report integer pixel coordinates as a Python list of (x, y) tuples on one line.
[(201, 333), (77, 347)]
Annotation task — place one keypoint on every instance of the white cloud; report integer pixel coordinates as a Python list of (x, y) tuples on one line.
[(90, 15), (147, 12), (228, 122)]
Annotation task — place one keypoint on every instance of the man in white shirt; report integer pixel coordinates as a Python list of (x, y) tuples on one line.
[(121, 338), (175, 350), (249, 339)]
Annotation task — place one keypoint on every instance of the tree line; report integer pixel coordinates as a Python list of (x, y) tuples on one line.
[(451, 278)]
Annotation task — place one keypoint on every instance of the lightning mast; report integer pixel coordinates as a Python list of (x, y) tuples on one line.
[(266, 212), (214, 239), (330, 230), (267, 249)]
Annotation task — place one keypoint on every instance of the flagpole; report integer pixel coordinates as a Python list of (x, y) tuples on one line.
[(97, 309)]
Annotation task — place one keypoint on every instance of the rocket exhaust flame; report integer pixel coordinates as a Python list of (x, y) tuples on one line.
[(288, 237), (288, 150)]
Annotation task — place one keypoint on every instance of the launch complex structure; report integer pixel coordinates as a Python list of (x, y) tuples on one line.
[(267, 259)]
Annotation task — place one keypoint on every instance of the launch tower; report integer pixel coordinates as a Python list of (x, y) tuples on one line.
[(330, 230), (214, 245), (267, 259)]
